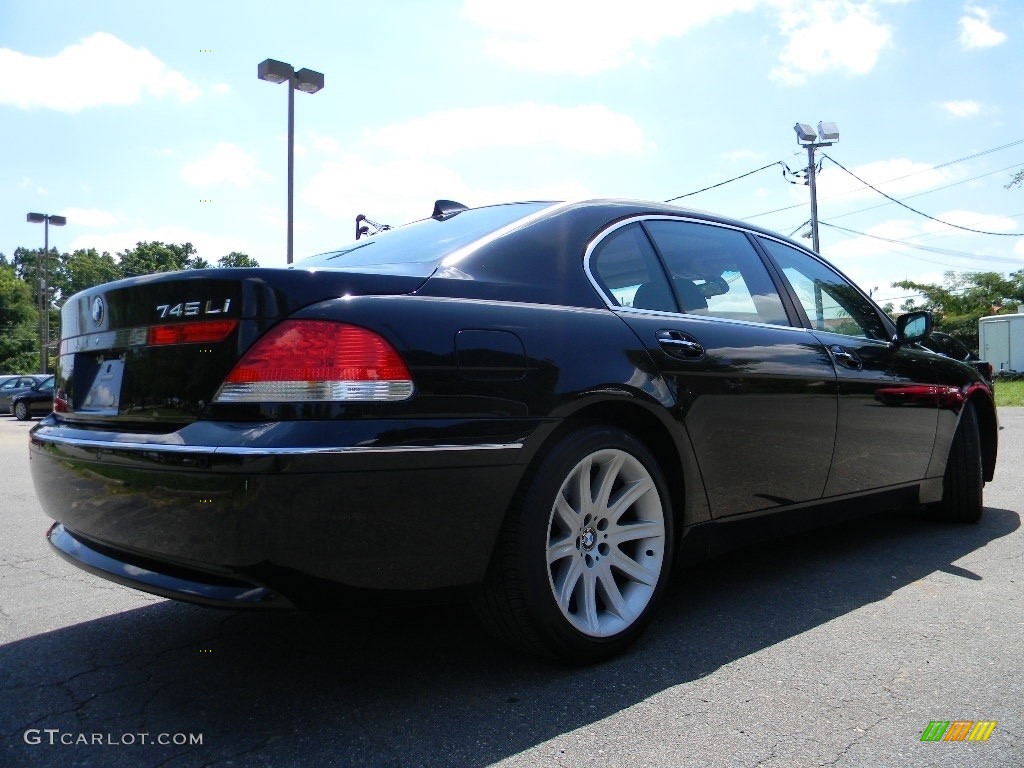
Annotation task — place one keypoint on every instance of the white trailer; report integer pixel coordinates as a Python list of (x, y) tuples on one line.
[(1001, 342)]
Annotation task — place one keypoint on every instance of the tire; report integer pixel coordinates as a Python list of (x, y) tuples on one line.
[(21, 412), (963, 482), (585, 551)]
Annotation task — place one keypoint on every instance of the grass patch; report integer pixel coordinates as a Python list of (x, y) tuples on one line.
[(1009, 393)]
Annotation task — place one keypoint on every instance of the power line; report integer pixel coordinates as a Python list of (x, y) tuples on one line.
[(898, 178), (928, 191), (929, 248), (728, 181), (921, 213)]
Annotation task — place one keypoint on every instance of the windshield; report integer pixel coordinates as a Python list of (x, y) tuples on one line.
[(415, 249)]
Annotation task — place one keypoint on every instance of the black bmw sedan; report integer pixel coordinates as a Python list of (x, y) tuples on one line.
[(546, 405)]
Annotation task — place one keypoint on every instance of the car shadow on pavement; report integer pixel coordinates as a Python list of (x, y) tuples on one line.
[(424, 685)]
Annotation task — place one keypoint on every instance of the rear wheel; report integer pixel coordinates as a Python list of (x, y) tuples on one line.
[(585, 550), (963, 481), (21, 411)]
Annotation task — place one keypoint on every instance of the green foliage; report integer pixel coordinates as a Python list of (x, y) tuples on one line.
[(965, 297), (85, 268), (1009, 393), (236, 259), (147, 258), (18, 324)]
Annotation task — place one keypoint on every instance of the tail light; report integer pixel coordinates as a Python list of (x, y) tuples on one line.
[(317, 361)]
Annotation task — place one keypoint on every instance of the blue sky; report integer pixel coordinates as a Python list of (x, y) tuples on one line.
[(144, 121)]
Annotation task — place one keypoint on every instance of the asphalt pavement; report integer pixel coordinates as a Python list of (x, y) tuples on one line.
[(832, 648)]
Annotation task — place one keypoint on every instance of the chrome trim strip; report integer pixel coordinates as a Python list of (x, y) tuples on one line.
[(604, 233), (232, 450)]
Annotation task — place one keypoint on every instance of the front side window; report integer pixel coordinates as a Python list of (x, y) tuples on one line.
[(716, 272), (832, 304)]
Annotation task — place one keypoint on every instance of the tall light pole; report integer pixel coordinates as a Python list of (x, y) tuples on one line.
[(43, 276), (307, 81), (828, 134)]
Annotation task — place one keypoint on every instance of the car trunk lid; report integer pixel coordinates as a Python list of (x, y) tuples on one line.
[(153, 350)]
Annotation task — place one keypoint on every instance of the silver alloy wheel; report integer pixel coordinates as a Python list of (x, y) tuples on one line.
[(606, 543), (21, 411)]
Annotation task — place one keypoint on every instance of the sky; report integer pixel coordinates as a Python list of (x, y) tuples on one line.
[(144, 121)]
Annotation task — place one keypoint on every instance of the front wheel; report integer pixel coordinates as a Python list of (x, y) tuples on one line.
[(21, 411), (585, 551), (963, 482)]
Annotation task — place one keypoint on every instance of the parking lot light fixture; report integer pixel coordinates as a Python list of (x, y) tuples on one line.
[(307, 81), (826, 135), (43, 276)]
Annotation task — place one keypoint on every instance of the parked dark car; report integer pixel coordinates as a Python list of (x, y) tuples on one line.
[(951, 346), (15, 385), (35, 401), (544, 405)]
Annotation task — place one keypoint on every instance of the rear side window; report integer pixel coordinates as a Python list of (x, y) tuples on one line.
[(627, 269)]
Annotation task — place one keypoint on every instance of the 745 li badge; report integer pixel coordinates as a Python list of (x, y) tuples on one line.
[(193, 308)]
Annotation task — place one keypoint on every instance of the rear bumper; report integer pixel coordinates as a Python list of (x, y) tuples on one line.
[(194, 587), (225, 505)]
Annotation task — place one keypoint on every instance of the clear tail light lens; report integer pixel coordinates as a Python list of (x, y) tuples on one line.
[(317, 361)]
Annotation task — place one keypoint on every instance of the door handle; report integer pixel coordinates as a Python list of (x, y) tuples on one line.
[(680, 345), (846, 357)]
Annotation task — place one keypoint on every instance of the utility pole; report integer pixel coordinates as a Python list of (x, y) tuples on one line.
[(827, 135)]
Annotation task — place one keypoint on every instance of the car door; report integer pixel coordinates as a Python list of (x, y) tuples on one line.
[(755, 396), (888, 404)]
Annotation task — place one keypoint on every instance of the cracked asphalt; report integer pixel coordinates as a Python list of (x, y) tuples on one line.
[(833, 648)]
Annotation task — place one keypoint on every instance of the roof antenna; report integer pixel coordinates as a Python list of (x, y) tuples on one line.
[(445, 209)]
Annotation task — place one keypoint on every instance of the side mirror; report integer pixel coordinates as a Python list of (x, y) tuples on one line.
[(913, 326)]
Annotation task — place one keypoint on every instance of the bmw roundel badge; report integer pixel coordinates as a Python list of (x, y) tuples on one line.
[(98, 310)]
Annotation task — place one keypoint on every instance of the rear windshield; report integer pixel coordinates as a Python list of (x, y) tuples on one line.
[(415, 249)]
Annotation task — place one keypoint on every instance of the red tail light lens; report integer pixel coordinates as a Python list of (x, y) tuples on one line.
[(317, 361), (207, 332)]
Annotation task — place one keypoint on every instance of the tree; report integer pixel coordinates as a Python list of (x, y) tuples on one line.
[(19, 322), (965, 297), (83, 269), (236, 259), (149, 257)]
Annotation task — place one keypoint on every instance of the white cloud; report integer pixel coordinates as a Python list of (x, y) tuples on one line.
[(225, 164), (586, 36), (859, 247), (897, 177), (220, 88), (589, 129), (396, 192), (98, 70), (962, 108), (975, 30), (986, 222), (90, 217), (828, 36), (740, 154), (322, 143)]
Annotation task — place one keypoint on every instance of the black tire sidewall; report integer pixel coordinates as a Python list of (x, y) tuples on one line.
[(555, 630)]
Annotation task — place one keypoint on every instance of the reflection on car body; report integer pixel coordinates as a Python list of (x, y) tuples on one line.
[(544, 405)]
